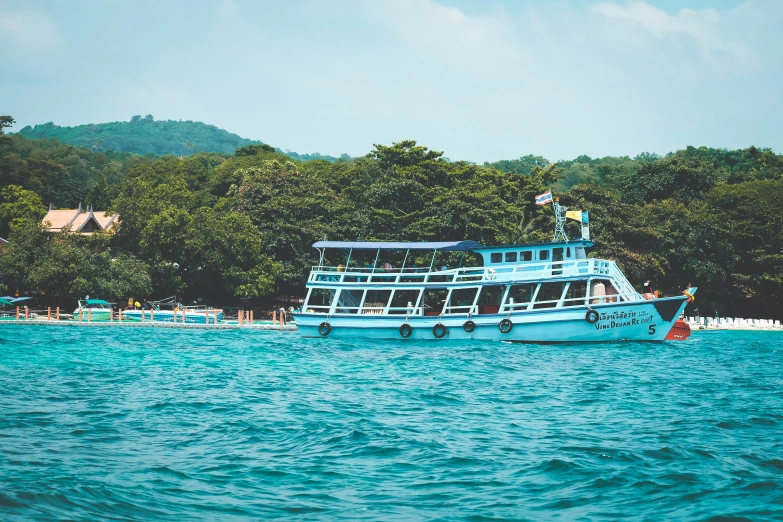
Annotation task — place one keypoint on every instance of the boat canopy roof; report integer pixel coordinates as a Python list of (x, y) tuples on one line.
[(16, 299), (450, 246), (96, 301)]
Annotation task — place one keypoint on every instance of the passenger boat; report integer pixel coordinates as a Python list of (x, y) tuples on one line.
[(169, 309), (541, 293), (94, 309)]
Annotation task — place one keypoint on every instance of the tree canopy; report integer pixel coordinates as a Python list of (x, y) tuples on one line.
[(240, 225), (145, 135)]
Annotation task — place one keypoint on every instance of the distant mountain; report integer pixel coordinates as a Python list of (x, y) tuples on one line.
[(147, 136)]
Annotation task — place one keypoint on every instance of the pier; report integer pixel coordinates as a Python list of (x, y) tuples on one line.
[(148, 324), (50, 317), (733, 323)]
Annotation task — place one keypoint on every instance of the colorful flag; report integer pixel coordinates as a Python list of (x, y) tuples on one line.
[(543, 199), (578, 215), (585, 226)]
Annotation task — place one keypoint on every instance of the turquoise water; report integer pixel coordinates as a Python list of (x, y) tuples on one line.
[(141, 424)]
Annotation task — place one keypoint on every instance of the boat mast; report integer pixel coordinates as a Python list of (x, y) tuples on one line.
[(560, 220)]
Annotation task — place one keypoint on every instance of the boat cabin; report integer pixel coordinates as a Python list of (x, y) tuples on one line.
[(553, 252), (501, 279)]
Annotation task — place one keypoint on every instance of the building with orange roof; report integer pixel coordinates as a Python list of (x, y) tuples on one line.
[(79, 221)]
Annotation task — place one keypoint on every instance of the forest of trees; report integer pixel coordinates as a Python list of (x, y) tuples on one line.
[(145, 135), (225, 227)]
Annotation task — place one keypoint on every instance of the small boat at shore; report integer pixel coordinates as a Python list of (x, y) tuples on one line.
[(539, 293), (95, 309), (169, 310)]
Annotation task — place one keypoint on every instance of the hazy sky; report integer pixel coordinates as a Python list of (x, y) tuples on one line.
[(479, 80)]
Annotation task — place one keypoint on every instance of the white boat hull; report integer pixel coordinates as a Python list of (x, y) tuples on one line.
[(167, 316), (97, 314), (635, 321)]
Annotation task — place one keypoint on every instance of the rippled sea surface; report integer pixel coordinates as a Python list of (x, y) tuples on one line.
[(157, 424)]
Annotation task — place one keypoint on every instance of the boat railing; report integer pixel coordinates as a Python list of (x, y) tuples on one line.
[(518, 272), (380, 309), (620, 281), (571, 301), (473, 309)]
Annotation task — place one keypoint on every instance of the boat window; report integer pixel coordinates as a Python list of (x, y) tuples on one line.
[(527, 255), (320, 300), (511, 257), (349, 301), (576, 293), (548, 295), (489, 299), (404, 302), (520, 295), (496, 257), (568, 252), (557, 258), (580, 253), (434, 301), (375, 301), (461, 300), (543, 255)]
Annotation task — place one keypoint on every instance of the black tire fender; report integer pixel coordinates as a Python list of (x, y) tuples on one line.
[(439, 330), (324, 328), (591, 316), (469, 326), (505, 325), (406, 330)]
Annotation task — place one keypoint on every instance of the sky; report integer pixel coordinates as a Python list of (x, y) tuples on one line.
[(479, 80)]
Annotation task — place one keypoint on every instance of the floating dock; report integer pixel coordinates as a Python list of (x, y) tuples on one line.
[(148, 324)]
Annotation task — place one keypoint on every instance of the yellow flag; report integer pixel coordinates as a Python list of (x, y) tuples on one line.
[(576, 215)]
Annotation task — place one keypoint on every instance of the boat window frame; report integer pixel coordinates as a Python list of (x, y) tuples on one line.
[(519, 306), (355, 309), (461, 309), (384, 309), (319, 308), (413, 310), (548, 303)]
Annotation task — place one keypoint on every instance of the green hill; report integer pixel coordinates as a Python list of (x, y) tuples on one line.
[(147, 136)]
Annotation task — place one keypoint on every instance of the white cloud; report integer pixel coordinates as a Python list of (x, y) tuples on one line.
[(28, 29), (429, 27), (704, 26), (227, 7)]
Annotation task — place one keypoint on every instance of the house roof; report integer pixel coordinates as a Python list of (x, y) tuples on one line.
[(104, 219), (76, 219), (60, 219)]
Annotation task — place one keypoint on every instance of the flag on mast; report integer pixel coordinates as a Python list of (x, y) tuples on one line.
[(584, 218), (543, 199)]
